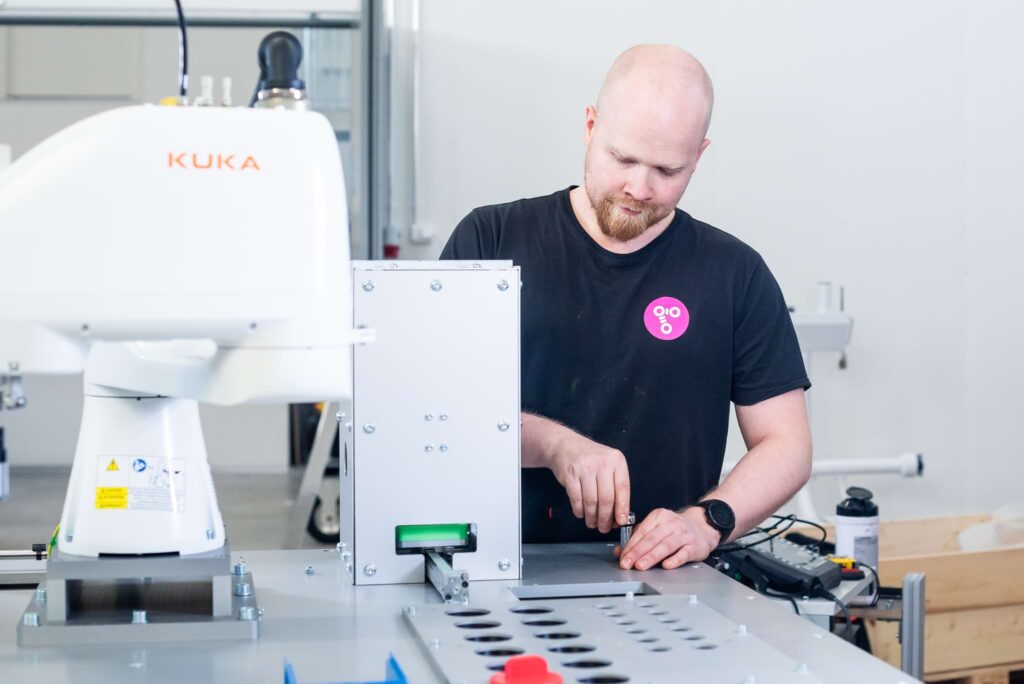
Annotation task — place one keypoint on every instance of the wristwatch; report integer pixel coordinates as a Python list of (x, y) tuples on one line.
[(720, 516)]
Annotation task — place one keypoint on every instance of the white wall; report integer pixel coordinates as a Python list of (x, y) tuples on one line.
[(875, 145)]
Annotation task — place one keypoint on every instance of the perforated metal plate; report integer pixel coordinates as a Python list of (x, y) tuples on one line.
[(601, 641)]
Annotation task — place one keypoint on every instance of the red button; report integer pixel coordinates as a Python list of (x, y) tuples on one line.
[(526, 669)]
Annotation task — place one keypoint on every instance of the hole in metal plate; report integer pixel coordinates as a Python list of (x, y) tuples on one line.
[(467, 612), (544, 622), (588, 663), (604, 679), (478, 624), (488, 637), (531, 610), (557, 635), (707, 647), (625, 622), (572, 648), (501, 652)]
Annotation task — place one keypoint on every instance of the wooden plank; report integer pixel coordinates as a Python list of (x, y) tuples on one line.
[(986, 637), (957, 643), (924, 536), (978, 676), (956, 581)]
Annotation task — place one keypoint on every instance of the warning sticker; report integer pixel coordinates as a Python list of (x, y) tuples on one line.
[(140, 483), (111, 497)]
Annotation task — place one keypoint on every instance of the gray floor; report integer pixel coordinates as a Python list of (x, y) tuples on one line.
[(255, 508)]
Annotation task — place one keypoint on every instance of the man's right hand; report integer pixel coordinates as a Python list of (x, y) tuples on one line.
[(595, 476)]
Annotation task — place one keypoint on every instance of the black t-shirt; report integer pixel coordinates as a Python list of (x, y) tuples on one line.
[(642, 351)]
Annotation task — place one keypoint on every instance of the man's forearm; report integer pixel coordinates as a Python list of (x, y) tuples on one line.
[(539, 438), (765, 478)]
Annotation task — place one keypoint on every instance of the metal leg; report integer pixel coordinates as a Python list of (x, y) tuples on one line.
[(313, 476), (912, 625)]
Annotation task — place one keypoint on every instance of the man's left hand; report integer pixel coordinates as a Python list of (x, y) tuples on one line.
[(670, 538)]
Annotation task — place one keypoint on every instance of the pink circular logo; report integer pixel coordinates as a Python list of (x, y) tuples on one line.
[(666, 318)]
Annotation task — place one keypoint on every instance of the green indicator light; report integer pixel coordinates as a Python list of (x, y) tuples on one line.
[(405, 534)]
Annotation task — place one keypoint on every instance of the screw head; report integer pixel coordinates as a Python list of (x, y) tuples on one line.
[(504, 564), (310, 570), (369, 428), (30, 619), (442, 448), (210, 534), (502, 285), (428, 417), (247, 613), (428, 448), (368, 286), (443, 416), (239, 569), (435, 285), (85, 329), (40, 594), (410, 610), (340, 416), (139, 617), (253, 326), (504, 426), (369, 569), (693, 599)]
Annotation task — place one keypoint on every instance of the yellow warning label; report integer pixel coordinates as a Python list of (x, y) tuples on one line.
[(111, 497), (113, 465)]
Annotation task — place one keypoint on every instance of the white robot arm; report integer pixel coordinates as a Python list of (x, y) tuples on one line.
[(175, 255)]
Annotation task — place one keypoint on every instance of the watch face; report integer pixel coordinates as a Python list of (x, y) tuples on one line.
[(720, 514)]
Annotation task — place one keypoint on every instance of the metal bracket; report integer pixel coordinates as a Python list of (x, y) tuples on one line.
[(452, 585), (912, 625)]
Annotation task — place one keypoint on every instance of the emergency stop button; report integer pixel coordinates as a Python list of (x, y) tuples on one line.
[(526, 669)]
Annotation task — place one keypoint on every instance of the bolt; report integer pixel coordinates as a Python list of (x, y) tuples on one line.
[(428, 417), (139, 617), (504, 564), (369, 569), (502, 285), (348, 567), (210, 534), (348, 427), (40, 594), (30, 619), (443, 447), (369, 428), (428, 448), (368, 286), (339, 416), (243, 589), (310, 570), (435, 285), (260, 612), (443, 416), (239, 569), (247, 613), (503, 426), (346, 556)]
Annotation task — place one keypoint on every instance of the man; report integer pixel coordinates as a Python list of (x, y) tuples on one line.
[(640, 325)]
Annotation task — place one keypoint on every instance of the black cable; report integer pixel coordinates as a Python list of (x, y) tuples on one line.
[(878, 583), (182, 53), (842, 608), (780, 595)]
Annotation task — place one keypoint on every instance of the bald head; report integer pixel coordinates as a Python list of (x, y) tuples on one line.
[(661, 81)]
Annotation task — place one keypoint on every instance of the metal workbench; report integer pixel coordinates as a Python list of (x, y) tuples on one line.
[(332, 631)]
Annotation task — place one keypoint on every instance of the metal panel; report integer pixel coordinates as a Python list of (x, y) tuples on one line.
[(436, 416)]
